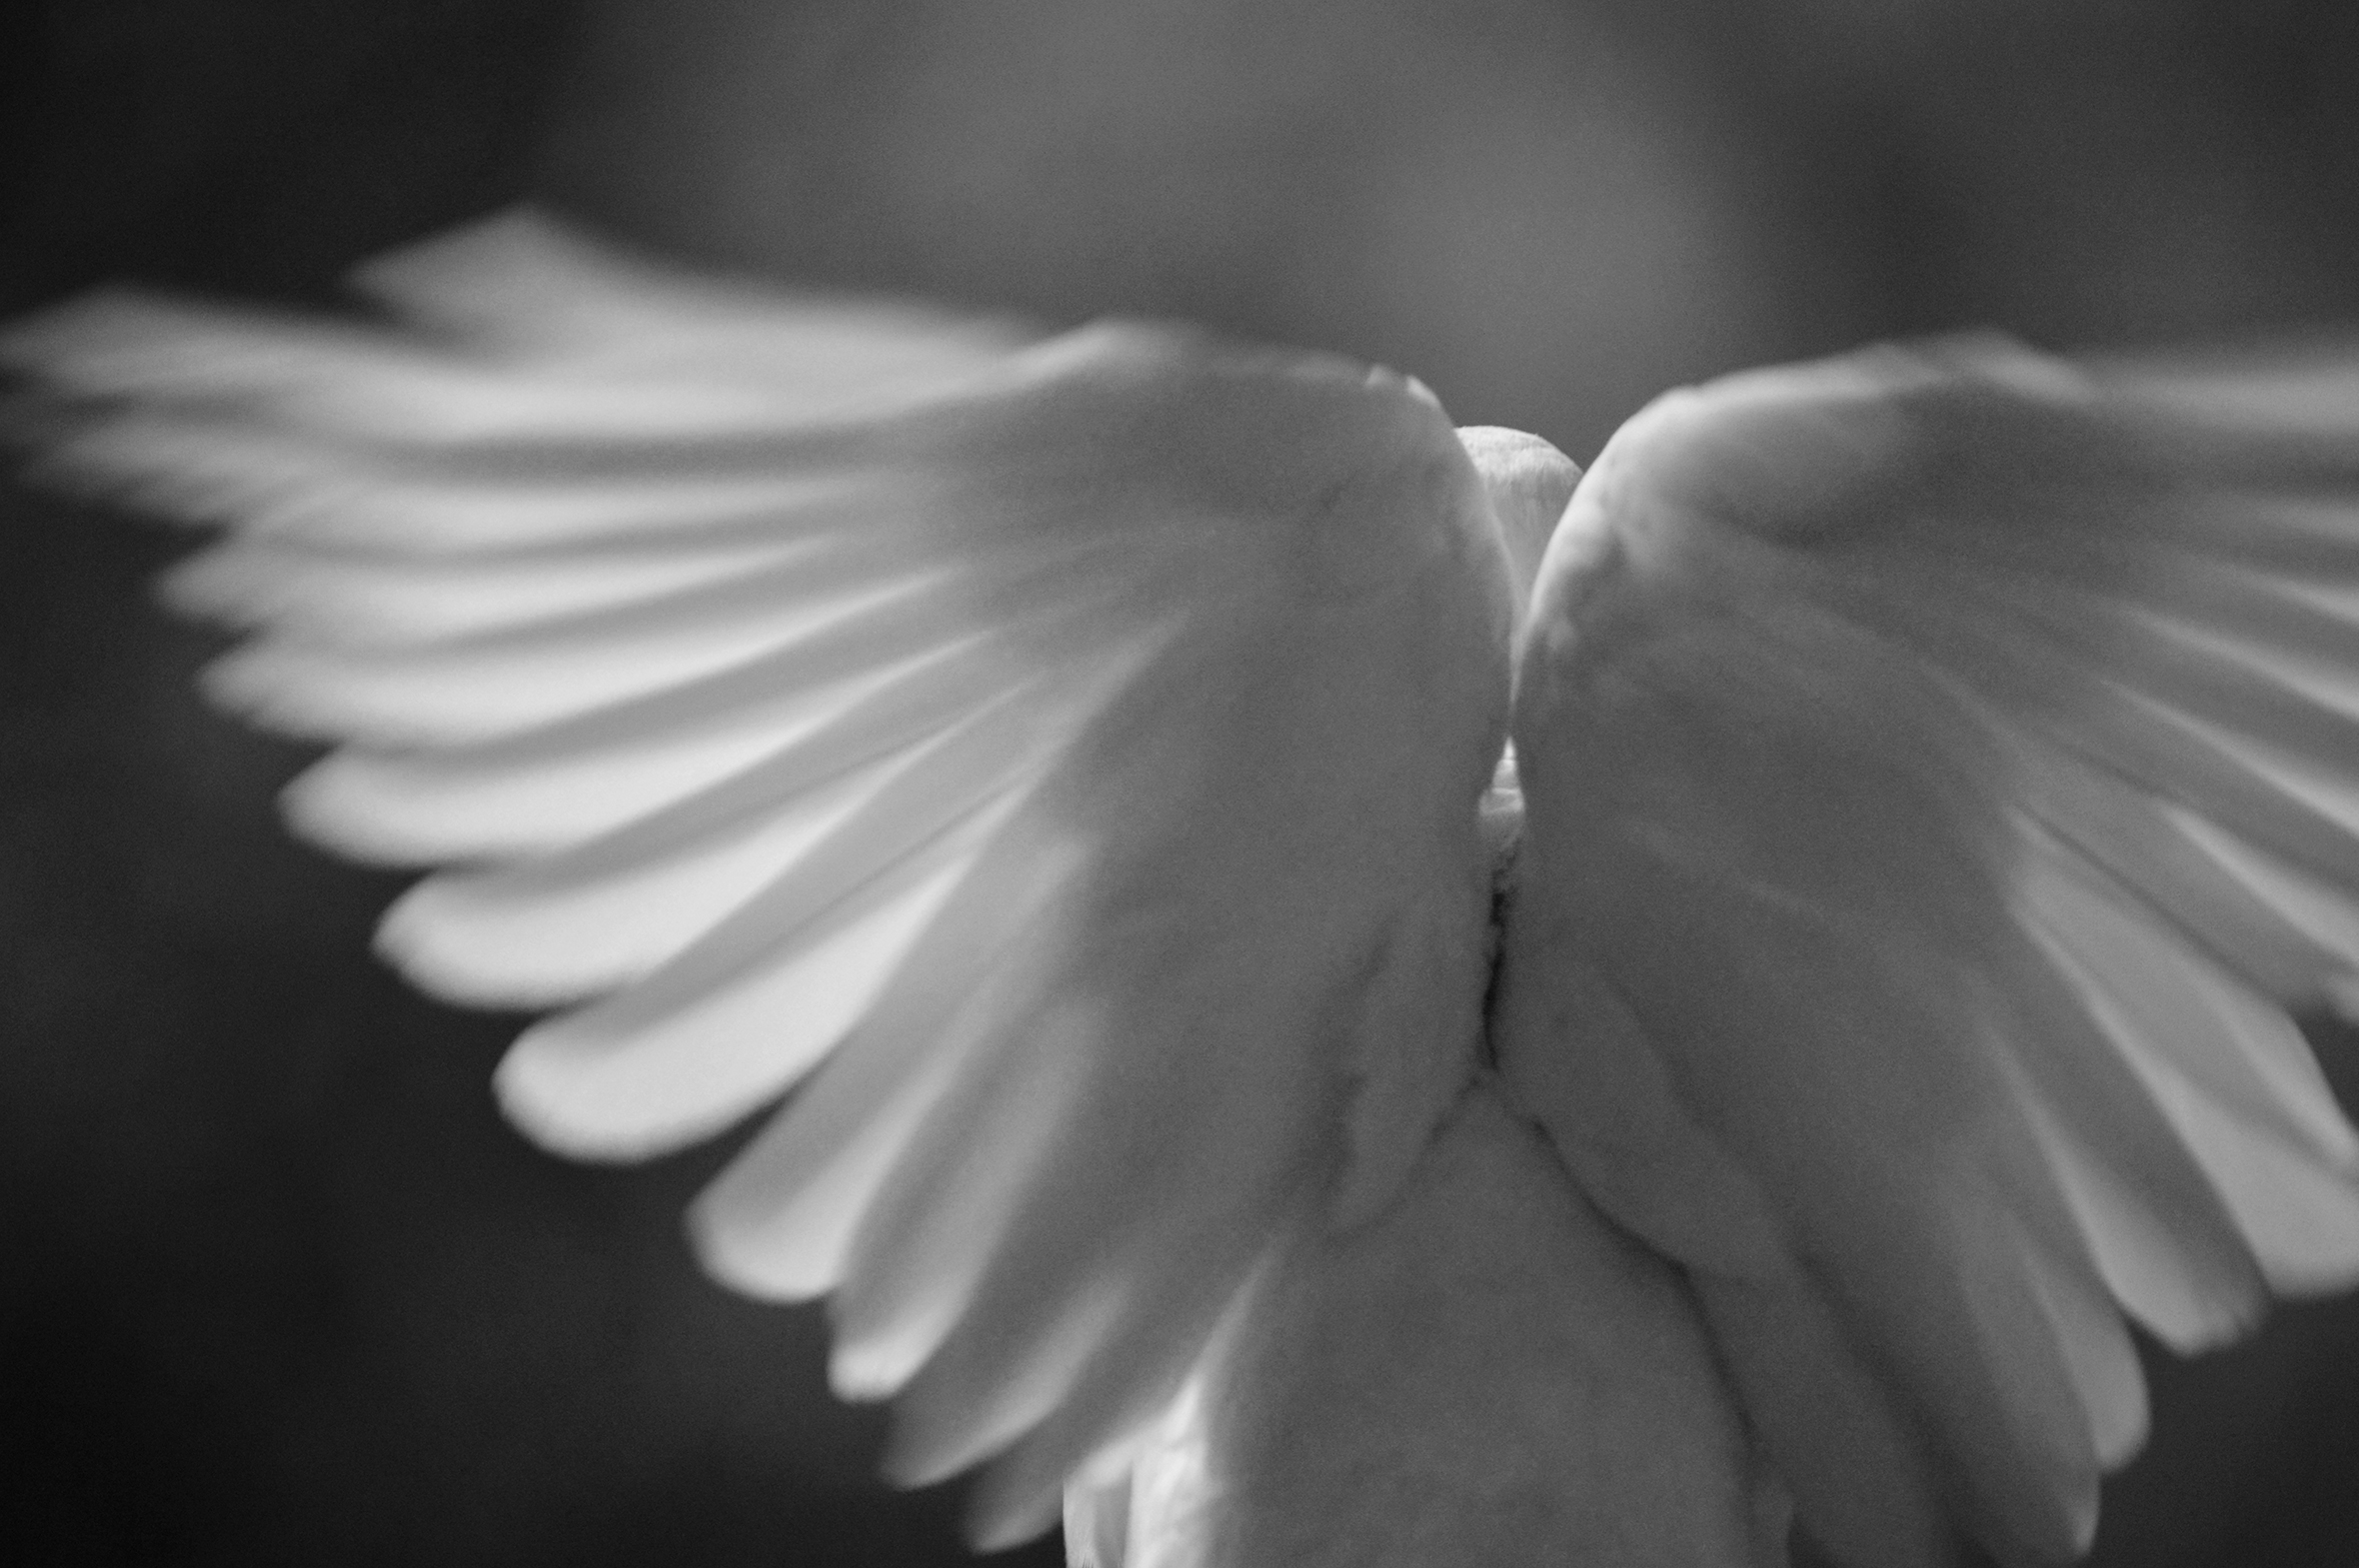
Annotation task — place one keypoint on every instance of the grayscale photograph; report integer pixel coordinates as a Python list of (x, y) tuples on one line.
[(1179, 784)]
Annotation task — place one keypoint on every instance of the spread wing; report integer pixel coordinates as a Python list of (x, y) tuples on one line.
[(1054, 764), (1942, 775)]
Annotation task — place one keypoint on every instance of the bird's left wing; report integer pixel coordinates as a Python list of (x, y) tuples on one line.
[(1942, 777), (1063, 755)]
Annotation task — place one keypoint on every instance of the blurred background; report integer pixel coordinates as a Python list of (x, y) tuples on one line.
[(276, 1286)]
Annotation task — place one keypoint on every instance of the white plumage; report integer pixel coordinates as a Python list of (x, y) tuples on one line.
[(1058, 768)]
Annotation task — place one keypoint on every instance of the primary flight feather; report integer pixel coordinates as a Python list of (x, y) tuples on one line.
[(1225, 1086)]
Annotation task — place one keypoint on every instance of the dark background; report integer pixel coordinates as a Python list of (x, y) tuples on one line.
[(276, 1287)]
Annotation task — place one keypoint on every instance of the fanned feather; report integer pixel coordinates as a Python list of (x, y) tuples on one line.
[(1051, 768), (1919, 749), (1039, 749)]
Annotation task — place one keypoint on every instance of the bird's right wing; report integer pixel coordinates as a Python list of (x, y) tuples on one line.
[(1942, 774), (1059, 760)]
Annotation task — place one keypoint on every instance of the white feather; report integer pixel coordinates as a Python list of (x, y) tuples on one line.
[(1038, 748), (1062, 761), (1922, 749)]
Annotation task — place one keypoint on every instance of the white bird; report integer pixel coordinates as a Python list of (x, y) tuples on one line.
[(1228, 1089)]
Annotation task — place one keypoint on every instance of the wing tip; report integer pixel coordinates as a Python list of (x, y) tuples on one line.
[(427, 936), (253, 683), (540, 1087), (733, 1252), (327, 803), (999, 1523), (201, 589), (52, 340)]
